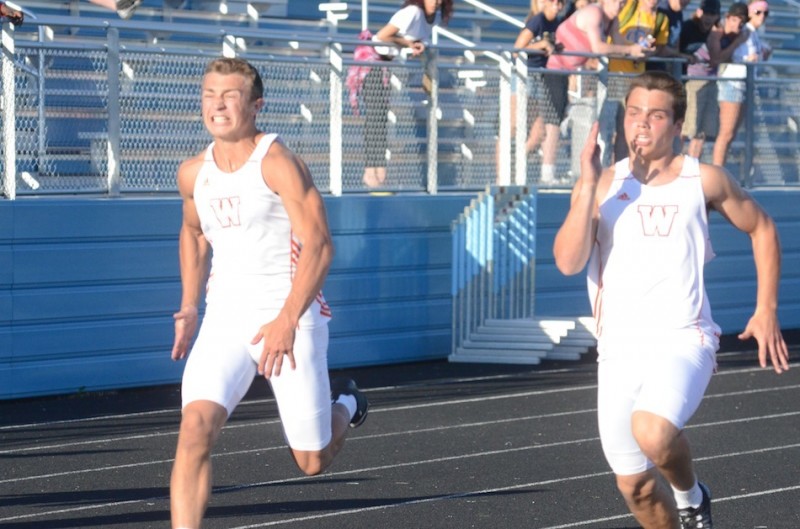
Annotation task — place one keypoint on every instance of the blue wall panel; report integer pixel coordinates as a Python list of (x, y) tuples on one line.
[(88, 286), (730, 276), (6, 271)]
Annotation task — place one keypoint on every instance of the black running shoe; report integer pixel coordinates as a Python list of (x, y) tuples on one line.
[(700, 517), (347, 386)]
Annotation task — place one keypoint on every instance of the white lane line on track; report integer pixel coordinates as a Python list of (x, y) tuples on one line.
[(421, 384), (252, 402), (221, 490), (174, 432), (386, 409), (282, 447), (715, 500), (50, 424), (581, 523), (389, 434), (275, 421)]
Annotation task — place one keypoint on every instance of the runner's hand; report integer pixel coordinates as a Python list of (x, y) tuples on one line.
[(185, 327), (766, 330), (278, 342)]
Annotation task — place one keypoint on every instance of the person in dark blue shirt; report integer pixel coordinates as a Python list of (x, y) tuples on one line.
[(548, 92), (702, 109)]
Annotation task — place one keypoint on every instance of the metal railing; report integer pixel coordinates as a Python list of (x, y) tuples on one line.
[(97, 110)]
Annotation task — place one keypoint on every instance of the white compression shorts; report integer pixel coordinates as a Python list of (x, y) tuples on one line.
[(663, 377), (222, 365)]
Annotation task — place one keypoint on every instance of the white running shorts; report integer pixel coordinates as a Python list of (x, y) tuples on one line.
[(663, 377), (223, 364)]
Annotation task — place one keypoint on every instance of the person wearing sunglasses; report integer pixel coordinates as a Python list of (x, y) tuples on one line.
[(756, 48)]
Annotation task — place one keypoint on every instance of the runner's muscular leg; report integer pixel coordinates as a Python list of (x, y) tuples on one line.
[(666, 446), (650, 503), (313, 462), (190, 485)]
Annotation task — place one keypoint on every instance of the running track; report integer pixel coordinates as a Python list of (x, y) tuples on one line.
[(445, 446)]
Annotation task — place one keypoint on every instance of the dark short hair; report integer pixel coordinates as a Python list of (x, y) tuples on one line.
[(234, 65), (657, 80), (739, 9), (710, 7)]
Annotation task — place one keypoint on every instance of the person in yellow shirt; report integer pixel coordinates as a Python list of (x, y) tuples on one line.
[(638, 22)]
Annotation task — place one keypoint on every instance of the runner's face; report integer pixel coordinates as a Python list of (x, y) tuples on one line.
[(649, 123), (227, 108)]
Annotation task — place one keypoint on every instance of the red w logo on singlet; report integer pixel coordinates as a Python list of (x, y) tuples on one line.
[(226, 210), (657, 220)]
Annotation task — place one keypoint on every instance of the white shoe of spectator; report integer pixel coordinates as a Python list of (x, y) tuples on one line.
[(125, 8), (547, 175)]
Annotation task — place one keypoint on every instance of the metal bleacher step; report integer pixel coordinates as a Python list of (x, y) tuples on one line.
[(527, 341)]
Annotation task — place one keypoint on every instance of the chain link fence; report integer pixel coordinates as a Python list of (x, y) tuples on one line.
[(109, 117)]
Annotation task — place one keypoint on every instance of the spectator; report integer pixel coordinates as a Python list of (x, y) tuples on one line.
[(732, 89), (581, 112), (14, 16), (639, 22), (574, 5), (758, 11), (409, 28), (672, 10), (535, 121), (547, 90), (587, 31), (371, 85), (582, 108), (536, 131), (702, 110)]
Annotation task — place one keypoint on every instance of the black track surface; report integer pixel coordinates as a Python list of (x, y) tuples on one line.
[(444, 446)]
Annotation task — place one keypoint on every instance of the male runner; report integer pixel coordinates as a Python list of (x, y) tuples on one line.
[(252, 200), (644, 224)]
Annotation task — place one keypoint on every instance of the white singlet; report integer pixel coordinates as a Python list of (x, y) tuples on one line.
[(254, 256), (255, 252), (656, 338), (646, 271)]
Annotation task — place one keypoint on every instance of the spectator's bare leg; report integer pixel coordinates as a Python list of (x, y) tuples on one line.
[(729, 117)]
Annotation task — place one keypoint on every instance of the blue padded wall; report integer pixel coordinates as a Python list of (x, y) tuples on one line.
[(88, 286)]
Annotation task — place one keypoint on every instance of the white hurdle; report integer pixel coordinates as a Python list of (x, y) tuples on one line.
[(493, 286)]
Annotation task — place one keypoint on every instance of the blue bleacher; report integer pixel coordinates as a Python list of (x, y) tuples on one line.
[(303, 16)]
